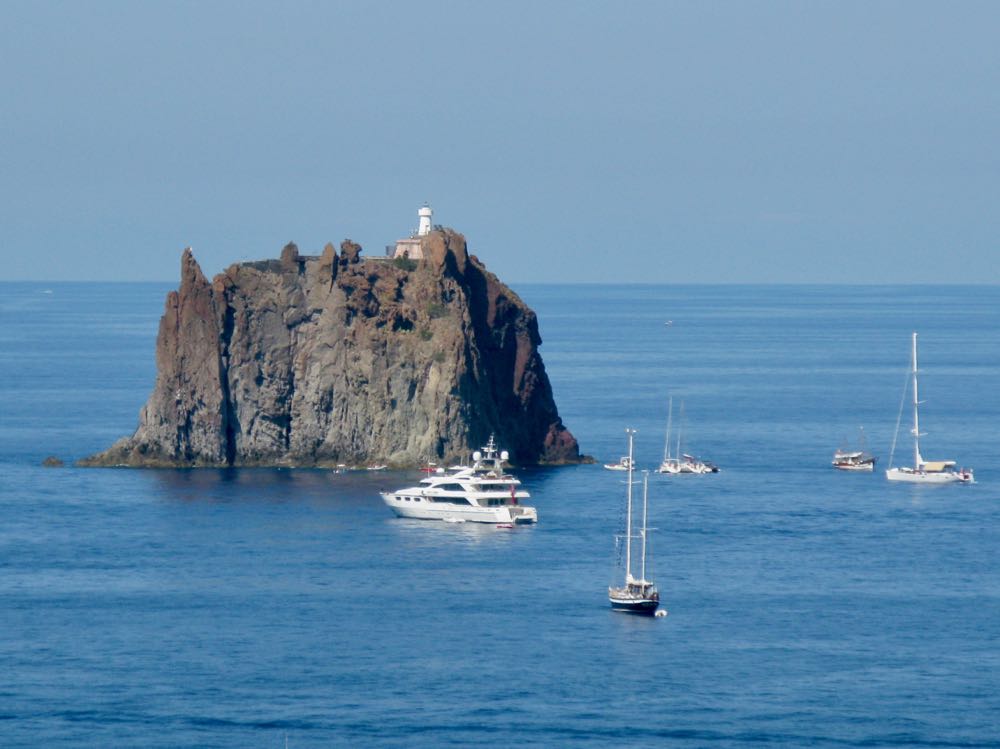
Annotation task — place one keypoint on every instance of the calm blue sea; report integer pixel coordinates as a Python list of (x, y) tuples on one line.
[(250, 608)]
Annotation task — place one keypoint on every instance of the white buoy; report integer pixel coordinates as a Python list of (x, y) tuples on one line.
[(661, 613)]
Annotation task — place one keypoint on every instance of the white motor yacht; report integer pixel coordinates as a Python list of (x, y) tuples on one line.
[(480, 493)]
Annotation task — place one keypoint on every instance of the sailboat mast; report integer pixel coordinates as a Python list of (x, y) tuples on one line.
[(670, 417), (645, 492), (916, 419), (680, 428), (628, 513)]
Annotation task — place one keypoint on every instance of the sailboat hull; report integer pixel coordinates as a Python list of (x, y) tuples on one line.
[(645, 606), (929, 477)]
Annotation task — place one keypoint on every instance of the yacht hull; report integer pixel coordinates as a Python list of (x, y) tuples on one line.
[(673, 468), (424, 510), (646, 606), (924, 477), (869, 467)]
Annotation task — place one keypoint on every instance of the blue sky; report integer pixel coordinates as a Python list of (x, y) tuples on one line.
[(631, 142)]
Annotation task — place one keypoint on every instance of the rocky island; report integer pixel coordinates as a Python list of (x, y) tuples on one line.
[(339, 358)]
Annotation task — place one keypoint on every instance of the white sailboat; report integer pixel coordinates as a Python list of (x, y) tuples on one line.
[(636, 596), (924, 471), (679, 462)]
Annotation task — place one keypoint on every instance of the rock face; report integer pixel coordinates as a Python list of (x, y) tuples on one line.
[(342, 359)]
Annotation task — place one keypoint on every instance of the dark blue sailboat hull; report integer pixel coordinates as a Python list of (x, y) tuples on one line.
[(644, 606)]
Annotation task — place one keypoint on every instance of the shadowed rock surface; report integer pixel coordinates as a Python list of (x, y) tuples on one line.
[(341, 359)]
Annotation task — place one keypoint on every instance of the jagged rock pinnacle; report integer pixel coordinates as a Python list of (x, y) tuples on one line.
[(343, 359)]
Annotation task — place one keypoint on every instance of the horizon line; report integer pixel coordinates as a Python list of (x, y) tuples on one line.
[(581, 283)]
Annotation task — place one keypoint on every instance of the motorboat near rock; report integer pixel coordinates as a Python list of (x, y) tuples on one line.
[(624, 464), (480, 493)]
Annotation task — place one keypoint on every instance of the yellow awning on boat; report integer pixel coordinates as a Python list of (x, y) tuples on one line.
[(937, 465)]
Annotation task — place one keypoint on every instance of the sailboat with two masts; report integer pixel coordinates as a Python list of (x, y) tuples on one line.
[(636, 596), (679, 462), (923, 471)]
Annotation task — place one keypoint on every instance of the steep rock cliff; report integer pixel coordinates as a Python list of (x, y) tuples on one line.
[(342, 359)]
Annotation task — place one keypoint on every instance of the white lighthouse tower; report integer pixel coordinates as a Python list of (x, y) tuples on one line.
[(413, 247), (424, 214)]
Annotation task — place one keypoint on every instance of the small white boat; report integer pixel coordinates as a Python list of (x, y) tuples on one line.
[(853, 461), (480, 493), (923, 471), (378, 467), (845, 459), (624, 464), (636, 595)]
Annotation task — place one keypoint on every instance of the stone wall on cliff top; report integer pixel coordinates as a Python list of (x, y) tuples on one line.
[(341, 359)]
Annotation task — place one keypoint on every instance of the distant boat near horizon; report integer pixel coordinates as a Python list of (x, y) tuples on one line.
[(923, 471)]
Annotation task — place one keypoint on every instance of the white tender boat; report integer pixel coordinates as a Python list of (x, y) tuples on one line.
[(480, 493), (624, 464), (923, 471), (636, 596)]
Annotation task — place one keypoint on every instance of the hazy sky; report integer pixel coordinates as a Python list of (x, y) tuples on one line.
[(619, 141)]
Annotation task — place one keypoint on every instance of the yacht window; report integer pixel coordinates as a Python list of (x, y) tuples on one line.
[(450, 500)]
